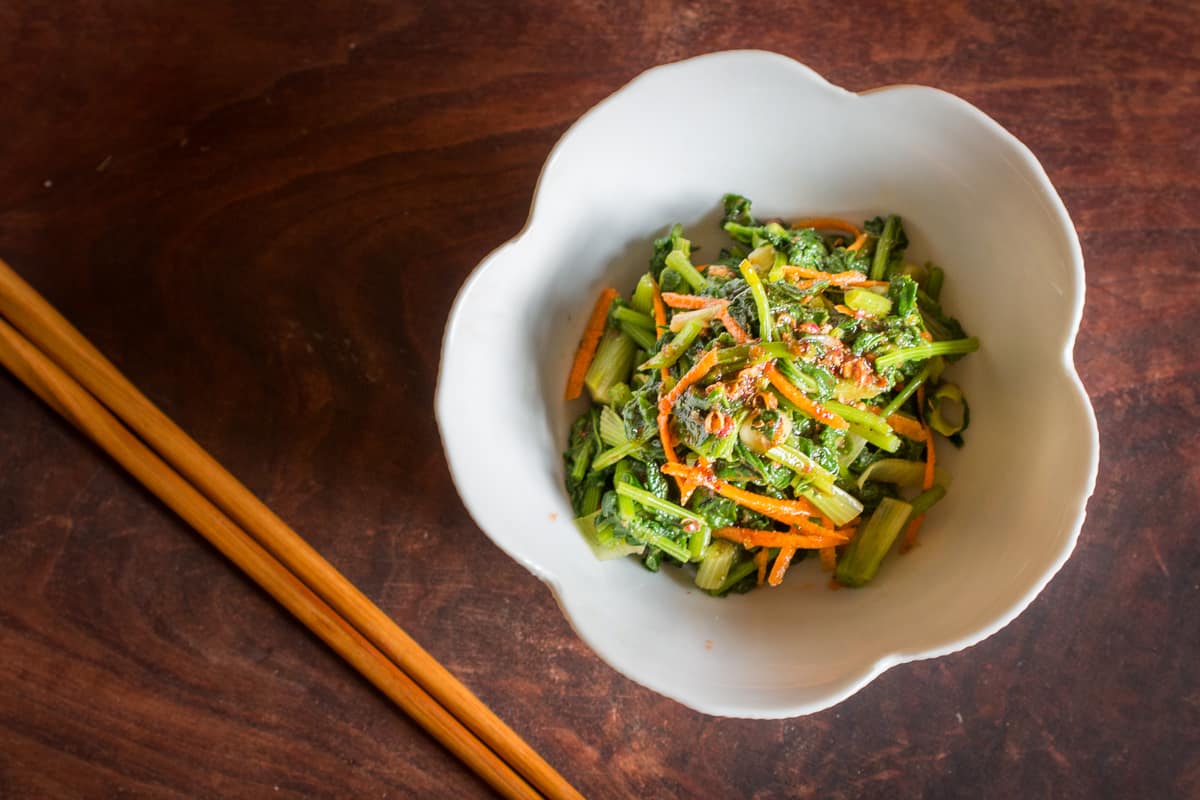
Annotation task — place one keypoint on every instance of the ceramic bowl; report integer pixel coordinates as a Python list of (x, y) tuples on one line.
[(663, 149)]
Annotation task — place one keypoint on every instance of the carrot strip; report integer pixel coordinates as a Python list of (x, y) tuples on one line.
[(660, 327), (907, 427), (735, 330), (847, 278), (914, 527), (691, 301), (930, 456), (760, 560), (589, 343), (857, 313), (910, 533), (752, 537), (697, 372), (667, 402), (801, 401), (858, 243), (790, 512), (852, 276), (828, 558), (664, 433), (660, 313), (782, 561), (827, 224)]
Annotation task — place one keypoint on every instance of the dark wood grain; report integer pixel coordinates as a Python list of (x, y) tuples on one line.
[(262, 212)]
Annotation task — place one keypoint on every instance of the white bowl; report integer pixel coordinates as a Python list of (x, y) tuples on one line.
[(664, 149)]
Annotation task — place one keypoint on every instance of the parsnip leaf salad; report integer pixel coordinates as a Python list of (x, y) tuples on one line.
[(780, 399)]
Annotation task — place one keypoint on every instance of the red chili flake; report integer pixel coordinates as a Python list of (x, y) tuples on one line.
[(691, 526), (717, 423)]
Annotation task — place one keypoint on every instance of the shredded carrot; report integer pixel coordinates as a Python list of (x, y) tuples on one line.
[(848, 278), (691, 301), (827, 224), (697, 372), (667, 401), (782, 561), (796, 513), (664, 417), (930, 456), (907, 427), (828, 558), (914, 527), (760, 560), (910, 533), (801, 401), (857, 313), (858, 243), (660, 313), (735, 330), (791, 512), (589, 343), (660, 327), (664, 433), (686, 487), (752, 537)]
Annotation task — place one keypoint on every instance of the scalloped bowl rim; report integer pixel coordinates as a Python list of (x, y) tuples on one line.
[(849, 683)]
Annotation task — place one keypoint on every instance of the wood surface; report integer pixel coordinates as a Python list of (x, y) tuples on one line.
[(261, 213)]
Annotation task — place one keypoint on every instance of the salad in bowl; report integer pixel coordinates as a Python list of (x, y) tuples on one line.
[(665, 149)]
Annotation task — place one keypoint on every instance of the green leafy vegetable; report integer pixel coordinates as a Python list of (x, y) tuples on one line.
[(777, 378)]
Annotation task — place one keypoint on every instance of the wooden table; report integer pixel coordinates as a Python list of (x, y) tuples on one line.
[(262, 212)]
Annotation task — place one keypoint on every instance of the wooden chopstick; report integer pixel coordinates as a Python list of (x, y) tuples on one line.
[(63, 394), (55, 336)]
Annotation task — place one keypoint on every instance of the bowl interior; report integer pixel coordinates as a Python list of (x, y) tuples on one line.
[(973, 200)]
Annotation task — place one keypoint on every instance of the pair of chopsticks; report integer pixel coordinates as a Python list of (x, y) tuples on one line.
[(59, 365)]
